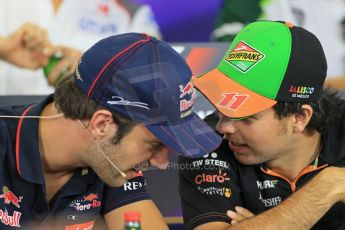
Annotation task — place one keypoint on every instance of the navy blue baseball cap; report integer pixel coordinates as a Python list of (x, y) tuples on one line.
[(143, 78)]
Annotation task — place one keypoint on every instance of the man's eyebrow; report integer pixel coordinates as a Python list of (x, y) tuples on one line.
[(240, 118), (156, 143)]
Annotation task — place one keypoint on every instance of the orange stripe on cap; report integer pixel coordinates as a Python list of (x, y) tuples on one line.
[(146, 39), (289, 24), (229, 97)]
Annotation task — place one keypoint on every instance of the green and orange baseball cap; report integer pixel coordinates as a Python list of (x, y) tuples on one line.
[(267, 62)]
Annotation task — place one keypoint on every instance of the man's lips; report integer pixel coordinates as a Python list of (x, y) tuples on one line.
[(131, 173), (237, 147)]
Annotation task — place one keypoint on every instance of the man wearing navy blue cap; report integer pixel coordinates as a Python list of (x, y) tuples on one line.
[(129, 101)]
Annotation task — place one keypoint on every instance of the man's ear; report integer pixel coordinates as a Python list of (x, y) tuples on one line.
[(101, 123), (301, 120)]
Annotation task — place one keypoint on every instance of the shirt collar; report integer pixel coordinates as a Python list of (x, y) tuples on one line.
[(28, 159)]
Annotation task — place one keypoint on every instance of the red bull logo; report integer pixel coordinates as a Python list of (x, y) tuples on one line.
[(9, 198), (90, 197), (9, 220), (186, 104), (185, 90)]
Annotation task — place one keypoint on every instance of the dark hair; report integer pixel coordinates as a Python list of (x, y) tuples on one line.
[(75, 105), (212, 120), (326, 110)]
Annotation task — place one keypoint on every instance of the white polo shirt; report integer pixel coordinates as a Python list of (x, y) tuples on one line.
[(77, 23)]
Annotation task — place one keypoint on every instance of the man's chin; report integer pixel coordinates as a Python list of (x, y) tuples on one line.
[(245, 160), (116, 182)]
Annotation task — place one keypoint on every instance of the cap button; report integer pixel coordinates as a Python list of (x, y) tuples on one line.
[(289, 24), (153, 39)]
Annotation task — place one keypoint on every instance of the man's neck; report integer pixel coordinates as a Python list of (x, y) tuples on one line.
[(59, 142)]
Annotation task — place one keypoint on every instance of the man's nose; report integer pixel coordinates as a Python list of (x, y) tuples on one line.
[(226, 125), (160, 159)]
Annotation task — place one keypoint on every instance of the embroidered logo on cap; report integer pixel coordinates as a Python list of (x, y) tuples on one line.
[(121, 101), (186, 103), (232, 101), (301, 91), (244, 57), (77, 73)]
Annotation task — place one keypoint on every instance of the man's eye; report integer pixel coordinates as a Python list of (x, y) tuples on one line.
[(249, 119), (156, 145)]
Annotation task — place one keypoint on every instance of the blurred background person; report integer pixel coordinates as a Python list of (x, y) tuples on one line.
[(72, 26), (325, 18), (27, 47)]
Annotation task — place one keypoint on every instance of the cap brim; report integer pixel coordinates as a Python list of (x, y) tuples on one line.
[(193, 138), (229, 97)]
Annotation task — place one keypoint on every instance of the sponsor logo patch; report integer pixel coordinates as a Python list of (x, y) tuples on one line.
[(301, 91), (212, 161), (88, 202), (266, 184), (244, 57), (270, 202), (187, 97), (203, 178), (10, 220), (10, 198), (90, 25), (133, 185), (210, 191)]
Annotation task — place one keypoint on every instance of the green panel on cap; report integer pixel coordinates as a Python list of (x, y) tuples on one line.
[(258, 57)]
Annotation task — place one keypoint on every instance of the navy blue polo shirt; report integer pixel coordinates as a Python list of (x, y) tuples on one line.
[(23, 200), (217, 182)]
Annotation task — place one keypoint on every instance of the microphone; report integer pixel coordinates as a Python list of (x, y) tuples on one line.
[(112, 164), (33, 117), (60, 115)]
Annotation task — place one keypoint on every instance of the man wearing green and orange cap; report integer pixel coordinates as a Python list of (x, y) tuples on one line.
[(280, 165)]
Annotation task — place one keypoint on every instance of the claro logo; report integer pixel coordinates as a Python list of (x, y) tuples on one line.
[(211, 178)]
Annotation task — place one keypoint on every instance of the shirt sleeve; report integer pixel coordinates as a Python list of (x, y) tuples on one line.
[(132, 191), (144, 21), (208, 187)]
